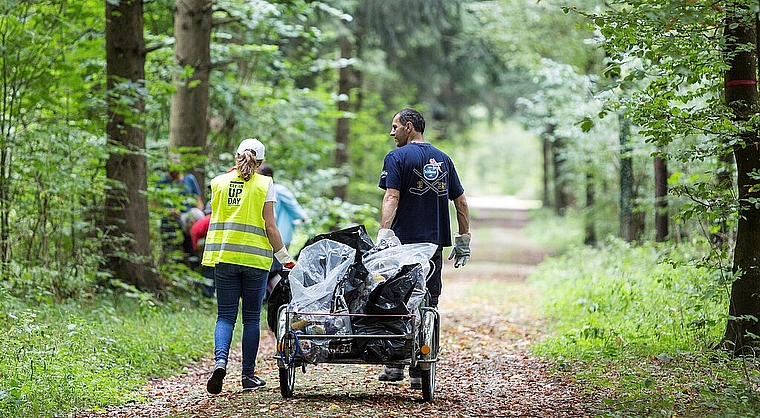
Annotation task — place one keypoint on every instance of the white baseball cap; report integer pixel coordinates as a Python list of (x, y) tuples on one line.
[(254, 145)]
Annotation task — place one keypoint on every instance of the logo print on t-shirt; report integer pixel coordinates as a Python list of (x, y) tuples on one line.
[(432, 169), (431, 178)]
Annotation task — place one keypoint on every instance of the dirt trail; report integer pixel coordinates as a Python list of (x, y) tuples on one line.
[(486, 369)]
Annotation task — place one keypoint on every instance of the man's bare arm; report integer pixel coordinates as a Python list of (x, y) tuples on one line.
[(389, 208), (463, 214)]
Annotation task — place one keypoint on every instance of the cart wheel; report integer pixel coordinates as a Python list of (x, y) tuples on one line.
[(428, 383), (287, 381), (287, 365)]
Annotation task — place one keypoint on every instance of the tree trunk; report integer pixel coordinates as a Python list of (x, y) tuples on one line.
[(660, 199), (743, 327), (127, 248), (590, 230), (546, 153), (5, 207), (343, 125), (188, 123), (626, 181), (561, 195)]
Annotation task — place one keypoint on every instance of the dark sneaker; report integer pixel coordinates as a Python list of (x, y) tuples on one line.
[(415, 382), (391, 374), (252, 382), (214, 384)]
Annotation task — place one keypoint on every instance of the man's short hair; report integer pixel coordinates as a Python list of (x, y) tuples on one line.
[(412, 115)]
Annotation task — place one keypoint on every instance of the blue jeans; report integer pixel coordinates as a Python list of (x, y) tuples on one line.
[(233, 283)]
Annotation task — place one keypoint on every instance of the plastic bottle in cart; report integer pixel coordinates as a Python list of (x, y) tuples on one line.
[(315, 329), (299, 325), (335, 326)]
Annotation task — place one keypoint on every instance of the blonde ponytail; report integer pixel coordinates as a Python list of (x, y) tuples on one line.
[(247, 164)]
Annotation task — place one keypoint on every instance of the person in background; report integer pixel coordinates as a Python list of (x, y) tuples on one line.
[(198, 233), (190, 193), (287, 210), (240, 243), (419, 181), (188, 220)]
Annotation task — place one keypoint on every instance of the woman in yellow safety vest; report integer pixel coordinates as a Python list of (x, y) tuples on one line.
[(239, 245)]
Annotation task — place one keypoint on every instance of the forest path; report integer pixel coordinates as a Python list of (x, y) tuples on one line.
[(485, 369)]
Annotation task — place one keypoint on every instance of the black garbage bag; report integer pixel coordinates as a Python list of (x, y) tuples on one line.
[(280, 296), (388, 298), (384, 349), (352, 285), (355, 237)]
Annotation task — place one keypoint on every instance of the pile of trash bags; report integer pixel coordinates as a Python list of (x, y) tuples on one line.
[(345, 272)]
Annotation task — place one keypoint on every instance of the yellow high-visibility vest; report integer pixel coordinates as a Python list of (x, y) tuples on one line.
[(237, 233)]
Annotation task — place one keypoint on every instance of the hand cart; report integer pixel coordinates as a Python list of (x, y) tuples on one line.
[(305, 338)]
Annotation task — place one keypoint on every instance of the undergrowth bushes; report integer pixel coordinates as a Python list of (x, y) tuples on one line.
[(622, 298), (55, 359), (637, 324)]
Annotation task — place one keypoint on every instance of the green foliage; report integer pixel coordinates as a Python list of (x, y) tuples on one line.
[(698, 384), (610, 287), (440, 50), (370, 142), (642, 321), (712, 207), (666, 61), (617, 308), (326, 213), (670, 58), (57, 358), (663, 76), (52, 182), (564, 113)]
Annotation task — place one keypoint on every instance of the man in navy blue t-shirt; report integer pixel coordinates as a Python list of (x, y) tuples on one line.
[(419, 180)]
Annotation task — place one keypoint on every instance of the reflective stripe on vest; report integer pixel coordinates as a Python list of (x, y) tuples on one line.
[(237, 233), (240, 248), (231, 226)]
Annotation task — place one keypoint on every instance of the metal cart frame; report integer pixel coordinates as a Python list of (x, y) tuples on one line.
[(423, 339)]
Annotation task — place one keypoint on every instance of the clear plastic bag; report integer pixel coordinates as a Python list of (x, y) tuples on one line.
[(386, 263), (314, 278)]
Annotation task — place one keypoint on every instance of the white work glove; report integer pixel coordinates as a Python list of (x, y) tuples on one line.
[(384, 234), (284, 258), (461, 250)]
